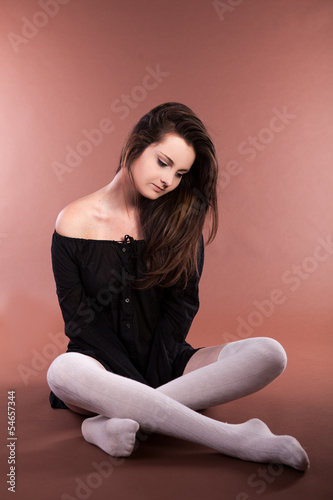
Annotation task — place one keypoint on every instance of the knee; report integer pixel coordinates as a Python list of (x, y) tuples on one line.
[(59, 370), (274, 353), (70, 366)]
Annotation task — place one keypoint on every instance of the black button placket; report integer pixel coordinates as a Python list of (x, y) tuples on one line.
[(127, 311)]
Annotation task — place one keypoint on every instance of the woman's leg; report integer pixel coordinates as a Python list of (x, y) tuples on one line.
[(77, 379), (115, 436), (217, 375)]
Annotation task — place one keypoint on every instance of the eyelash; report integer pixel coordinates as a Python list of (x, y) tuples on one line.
[(163, 164)]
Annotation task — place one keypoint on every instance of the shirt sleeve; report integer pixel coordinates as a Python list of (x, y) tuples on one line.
[(72, 299), (180, 307), (178, 310)]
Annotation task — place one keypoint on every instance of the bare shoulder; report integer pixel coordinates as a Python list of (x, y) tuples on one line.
[(76, 218), (72, 219)]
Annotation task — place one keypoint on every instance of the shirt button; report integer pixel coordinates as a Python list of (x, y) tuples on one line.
[(128, 325), (123, 249), (127, 300)]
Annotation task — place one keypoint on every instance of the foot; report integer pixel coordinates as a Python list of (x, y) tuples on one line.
[(259, 444), (115, 436)]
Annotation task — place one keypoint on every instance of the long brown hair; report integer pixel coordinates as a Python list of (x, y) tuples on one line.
[(173, 223)]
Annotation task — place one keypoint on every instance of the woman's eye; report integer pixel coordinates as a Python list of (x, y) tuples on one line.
[(162, 163)]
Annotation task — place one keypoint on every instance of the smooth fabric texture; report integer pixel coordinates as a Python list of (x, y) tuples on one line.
[(139, 334)]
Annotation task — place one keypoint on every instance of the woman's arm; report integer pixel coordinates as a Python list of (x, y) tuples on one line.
[(178, 310), (180, 307), (71, 295)]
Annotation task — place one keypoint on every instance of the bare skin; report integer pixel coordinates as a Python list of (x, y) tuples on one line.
[(111, 212)]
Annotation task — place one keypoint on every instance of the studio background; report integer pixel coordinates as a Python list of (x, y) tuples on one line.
[(259, 74)]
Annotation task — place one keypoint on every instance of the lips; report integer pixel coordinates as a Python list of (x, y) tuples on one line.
[(158, 188)]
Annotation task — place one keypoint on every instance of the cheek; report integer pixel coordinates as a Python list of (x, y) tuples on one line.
[(139, 172), (144, 169)]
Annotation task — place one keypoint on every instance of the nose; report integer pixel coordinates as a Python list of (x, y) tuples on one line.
[(166, 178)]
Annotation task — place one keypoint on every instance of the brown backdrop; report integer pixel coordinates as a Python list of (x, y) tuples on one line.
[(76, 75)]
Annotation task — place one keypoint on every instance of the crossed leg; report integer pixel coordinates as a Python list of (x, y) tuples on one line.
[(212, 376), (217, 375)]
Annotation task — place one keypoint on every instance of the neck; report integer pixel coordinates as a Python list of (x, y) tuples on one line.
[(121, 193)]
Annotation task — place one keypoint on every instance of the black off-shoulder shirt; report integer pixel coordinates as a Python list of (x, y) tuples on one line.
[(139, 334)]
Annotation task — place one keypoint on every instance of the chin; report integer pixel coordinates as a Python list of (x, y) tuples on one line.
[(151, 195)]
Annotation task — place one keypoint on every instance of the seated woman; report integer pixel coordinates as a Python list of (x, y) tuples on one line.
[(127, 261)]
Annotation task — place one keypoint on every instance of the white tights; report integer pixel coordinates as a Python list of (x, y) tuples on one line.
[(123, 405)]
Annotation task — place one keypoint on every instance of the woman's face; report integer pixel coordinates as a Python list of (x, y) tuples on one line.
[(161, 166)]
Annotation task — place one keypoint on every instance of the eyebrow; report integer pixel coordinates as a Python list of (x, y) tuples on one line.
[(172, 162)]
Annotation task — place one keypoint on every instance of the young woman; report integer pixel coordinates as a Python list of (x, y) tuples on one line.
[(127, 260)]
